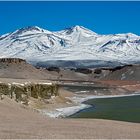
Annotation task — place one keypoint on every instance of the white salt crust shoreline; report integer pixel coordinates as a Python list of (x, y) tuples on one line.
[(67, 111)]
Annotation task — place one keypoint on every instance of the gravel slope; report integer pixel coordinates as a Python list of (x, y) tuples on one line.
[(18, 122)]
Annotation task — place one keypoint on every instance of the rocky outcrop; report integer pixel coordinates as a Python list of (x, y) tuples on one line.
[(56, 69), (101, 73), (127, 72), (22, 92), (12, 60), (97, 71), (117, 68), (83, 70)]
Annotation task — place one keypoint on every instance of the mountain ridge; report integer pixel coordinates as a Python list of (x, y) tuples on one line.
[(75, 43)]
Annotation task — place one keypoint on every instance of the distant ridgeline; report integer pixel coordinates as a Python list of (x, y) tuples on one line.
[(22, 92)]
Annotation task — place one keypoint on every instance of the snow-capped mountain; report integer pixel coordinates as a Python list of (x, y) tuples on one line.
[(75, 43)]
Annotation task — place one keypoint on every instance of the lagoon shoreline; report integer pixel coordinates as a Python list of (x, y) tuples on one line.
[(77, 104)]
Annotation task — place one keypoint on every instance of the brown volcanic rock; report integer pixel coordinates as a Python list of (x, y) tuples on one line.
[(12, 60), (128, 72)]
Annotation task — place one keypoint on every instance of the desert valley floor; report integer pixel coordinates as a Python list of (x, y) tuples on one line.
[(20, 120)]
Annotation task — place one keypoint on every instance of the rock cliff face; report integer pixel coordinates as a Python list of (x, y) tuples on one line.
[(22, 92), (12, 60)]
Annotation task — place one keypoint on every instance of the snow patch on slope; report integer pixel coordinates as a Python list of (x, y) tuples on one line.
[(75, 43)]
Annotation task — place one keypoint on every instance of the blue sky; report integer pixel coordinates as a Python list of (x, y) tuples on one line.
[(101, 17)]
